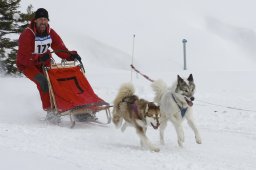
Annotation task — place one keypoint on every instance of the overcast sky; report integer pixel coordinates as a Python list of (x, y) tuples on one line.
[(218, 32)]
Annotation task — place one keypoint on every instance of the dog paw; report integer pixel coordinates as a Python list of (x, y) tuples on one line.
[(199, 141), (155, 149)]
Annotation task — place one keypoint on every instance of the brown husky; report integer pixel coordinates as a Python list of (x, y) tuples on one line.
[(136, 112)]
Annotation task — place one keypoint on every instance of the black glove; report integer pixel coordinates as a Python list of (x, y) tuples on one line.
[(75, 56), (44, 58)]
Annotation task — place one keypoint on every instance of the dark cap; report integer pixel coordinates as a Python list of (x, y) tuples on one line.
[(41, 12)]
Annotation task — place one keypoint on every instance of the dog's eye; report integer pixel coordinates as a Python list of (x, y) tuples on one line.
[(154, 117), (186, 90)]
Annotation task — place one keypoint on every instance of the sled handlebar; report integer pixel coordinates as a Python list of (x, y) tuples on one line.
[(69, 52)]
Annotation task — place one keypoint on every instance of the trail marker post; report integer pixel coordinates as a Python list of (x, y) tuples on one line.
[(184, 41)]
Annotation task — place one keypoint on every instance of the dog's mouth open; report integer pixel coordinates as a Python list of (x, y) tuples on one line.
[(155, 127), (189, 101), (157, 124)]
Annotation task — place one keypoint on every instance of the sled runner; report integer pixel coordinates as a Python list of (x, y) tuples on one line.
[(70, 92)]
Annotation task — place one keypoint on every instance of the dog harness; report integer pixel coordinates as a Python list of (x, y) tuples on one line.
[(133, 106), (182, 110)]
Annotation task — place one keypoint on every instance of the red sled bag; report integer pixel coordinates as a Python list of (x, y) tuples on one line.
[(72, 89)]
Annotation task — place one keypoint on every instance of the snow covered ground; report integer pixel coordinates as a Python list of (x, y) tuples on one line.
[(220, 51), (228, 134)]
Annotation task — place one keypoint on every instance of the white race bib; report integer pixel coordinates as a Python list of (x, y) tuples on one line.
[(42, 44)]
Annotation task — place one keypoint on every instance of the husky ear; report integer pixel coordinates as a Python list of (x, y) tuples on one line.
[(190, 78), (146, 109), (180, 80)]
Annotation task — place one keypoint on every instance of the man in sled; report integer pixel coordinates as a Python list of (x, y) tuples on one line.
[(33, 53)]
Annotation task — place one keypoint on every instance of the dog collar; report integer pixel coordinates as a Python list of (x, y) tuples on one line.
[(182, 110)]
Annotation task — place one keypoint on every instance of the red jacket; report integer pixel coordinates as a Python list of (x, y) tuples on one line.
[(25, 56)]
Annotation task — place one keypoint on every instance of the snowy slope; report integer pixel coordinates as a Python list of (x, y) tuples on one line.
[(220, 34)]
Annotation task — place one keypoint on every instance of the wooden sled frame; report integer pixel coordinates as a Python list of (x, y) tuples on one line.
[(75, 111)]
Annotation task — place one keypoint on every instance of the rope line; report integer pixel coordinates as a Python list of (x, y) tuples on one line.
[(213, 104), (228, 107), (145, 76)]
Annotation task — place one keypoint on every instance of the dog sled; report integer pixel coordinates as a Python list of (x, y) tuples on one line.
[(71, 93)]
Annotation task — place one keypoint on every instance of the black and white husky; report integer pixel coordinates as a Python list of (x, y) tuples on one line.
[(176, 104)]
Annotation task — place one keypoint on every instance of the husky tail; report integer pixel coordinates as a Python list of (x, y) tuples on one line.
[(127, 89), (159, 87)]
